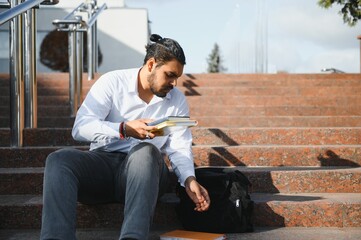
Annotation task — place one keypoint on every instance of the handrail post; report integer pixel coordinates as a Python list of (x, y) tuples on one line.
[(75, 27), (72, 70), (90, 42), (16, 79), (30, 69), (79, 68)]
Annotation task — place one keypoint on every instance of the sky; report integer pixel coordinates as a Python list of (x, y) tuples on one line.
[(295, 36)]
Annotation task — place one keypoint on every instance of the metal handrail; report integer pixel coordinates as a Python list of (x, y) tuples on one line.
[(76, 26), (94, 17), (18, 9), (23, 85)]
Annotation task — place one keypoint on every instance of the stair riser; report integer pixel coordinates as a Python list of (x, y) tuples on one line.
[(286, 121), (312, 214), (52, 80), (269, 91), (220, 156), (43, 111), (60, 91), (218, 91), (279, 214), (45, 122), (231, 111), (283, 136), (61, 79), (105, 216), (213, 136), (200, 111), (273, 101), (217, 122), (301, 80), (265, 181), (205, 101), (278, 156)]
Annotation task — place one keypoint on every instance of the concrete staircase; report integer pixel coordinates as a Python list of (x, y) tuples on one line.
[(297, 138)]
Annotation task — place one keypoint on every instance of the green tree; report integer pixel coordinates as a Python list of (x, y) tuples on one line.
[(215, 61), (351, 10)]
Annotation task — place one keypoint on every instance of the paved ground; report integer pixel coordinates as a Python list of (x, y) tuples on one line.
[(259, 234)]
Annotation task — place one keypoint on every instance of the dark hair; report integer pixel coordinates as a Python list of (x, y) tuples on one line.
[(164, 50)]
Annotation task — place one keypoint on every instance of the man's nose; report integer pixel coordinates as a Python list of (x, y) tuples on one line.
[(174, 82)]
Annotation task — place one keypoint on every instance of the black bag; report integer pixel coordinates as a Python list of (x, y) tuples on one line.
[(231, 206)]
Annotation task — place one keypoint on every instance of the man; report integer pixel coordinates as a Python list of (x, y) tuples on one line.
[(125, 162)]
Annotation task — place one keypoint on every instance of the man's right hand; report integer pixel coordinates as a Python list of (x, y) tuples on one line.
[(139, 129)]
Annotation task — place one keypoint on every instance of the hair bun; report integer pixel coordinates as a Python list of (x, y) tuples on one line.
[(155, 38)]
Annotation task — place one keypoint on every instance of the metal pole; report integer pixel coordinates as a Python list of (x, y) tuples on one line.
[(90, 49), (30, 69), (79, 68), (95, 44), (17, 9), (72, 71), (95, 41), (16, 80), (90, 42)]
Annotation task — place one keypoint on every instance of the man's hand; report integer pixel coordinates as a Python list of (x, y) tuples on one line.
[(198, 194), (139, 129)]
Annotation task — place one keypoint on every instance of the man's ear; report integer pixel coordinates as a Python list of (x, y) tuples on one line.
[(150, 64)]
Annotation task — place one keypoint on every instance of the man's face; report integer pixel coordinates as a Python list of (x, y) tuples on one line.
[(163, 78)]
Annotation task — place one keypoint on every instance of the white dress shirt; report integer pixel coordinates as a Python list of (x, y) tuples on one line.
[(114, 99)]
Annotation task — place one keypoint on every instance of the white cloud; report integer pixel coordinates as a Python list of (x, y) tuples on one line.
[(345, 60), (309, 22)]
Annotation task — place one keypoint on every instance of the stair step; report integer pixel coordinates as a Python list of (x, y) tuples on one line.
[(232, 100), (281, 136), (226, 111), (212, 136), (271, 210), (251, 101), (269, 80), (59, 91), (220, 90), (270, 91), (51, 137), (269, 233), (278, 155), (43, 111), (45, 122), (196, 110), (59, 79), (263, 179), (23, 157), (279, 121), (228, 121), (213, 155)]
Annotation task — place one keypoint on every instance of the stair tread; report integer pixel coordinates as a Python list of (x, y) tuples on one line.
[(346, 198), (279, 233), (240, 168)]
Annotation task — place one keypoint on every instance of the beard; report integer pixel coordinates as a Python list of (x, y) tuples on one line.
[(162, 91)]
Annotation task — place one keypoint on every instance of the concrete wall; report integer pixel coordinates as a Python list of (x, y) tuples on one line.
[(122, 33)]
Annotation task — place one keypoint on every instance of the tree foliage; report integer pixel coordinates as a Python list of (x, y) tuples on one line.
[(351, 10), (215, 61)]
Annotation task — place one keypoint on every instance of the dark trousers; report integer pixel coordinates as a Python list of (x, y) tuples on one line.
[(92, 177)]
